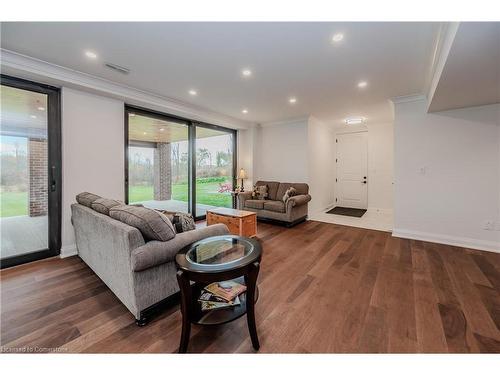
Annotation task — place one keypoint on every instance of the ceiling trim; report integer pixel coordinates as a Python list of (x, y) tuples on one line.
[(23, 66), (447, 34), (408, 98)]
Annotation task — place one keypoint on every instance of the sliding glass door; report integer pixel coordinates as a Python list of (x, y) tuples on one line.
[(30, 171), (158, 174), (214, 168), (177, 165)]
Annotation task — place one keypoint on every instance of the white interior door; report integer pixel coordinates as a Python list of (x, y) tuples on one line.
[(352, 170)]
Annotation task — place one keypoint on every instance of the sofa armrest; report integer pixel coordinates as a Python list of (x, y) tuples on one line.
[(242, 197), (297, 200), (154, 253)]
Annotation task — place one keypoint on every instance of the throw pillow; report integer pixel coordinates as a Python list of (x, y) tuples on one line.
[(86, 199), (290, 192), (181, 221), (259, 192), (102, 205), (152, 224)]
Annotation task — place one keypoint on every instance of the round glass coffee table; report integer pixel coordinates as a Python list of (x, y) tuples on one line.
[(216, 259)]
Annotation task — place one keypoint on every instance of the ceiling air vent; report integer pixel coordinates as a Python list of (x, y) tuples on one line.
[(117, 68)]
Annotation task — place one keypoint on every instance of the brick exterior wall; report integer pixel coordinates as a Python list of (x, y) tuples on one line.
[(162, 172), (38, 179)]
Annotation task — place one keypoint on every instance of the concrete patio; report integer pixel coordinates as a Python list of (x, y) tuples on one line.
[(22, 234)]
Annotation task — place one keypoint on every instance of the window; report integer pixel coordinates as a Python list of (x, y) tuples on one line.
[(163, 153)]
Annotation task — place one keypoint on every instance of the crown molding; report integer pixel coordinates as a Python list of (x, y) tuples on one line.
[(408, 98), (27, 67)]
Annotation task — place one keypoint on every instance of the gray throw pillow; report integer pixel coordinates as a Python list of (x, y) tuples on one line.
[(152, 224), (86, 199), (103, 205), (290, 192)]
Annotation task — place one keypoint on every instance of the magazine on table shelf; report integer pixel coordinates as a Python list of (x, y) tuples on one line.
[(219, 295)]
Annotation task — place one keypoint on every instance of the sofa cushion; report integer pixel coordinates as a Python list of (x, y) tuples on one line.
[(301, 188), (276, 206), (255, 203), (181, 221), (102, 205), (87, 199), (152, 224), (272, 188)]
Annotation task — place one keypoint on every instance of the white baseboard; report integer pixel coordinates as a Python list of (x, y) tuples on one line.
[(68, 251), (470, 243)]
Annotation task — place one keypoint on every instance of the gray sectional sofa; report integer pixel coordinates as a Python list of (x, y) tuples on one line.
[(140, 273), (292, 211)]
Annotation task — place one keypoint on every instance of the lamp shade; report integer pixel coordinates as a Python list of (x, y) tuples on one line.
[(242, 174)]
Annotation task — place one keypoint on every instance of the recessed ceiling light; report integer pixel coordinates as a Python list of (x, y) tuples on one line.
[(355, 120), (33, 116), (362, 84), (292, 100), (161, 129), (144, 133), (91, 55), (337, 37), (193, 92), (245, 111), (41, 108), (246, 72)]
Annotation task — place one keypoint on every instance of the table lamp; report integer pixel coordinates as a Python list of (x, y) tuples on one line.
[(242, 175)]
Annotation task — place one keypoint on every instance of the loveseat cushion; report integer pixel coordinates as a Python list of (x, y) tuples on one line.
[(103, 205), (152, 224), (86, 199), (276, 206), (257, 204), (272, 188), (302, 189)]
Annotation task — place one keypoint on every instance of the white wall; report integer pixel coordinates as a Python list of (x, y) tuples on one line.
[(380, 166), (321, 165), (447, 174), (247, 144), (282, 152), (92, 152)]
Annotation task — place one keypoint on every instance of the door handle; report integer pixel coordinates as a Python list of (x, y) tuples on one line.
[(52, 178)]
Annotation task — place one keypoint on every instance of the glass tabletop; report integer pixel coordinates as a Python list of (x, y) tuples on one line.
[(219, 251)]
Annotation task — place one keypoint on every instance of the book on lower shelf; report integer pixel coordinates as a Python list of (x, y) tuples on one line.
[(226, 290), (221, 295)]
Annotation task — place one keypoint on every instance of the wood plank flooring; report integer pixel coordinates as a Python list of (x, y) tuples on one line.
[(324, 288)]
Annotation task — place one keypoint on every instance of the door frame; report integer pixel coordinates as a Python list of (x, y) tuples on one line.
[(191, 124), (54, 172), (340, 133)]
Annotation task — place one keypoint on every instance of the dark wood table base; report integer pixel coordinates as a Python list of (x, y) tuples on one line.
[(191, 309)]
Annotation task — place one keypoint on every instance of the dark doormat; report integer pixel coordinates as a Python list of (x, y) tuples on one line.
[(346, 211)]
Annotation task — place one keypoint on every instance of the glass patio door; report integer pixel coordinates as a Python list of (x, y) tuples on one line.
[(158, 161), (30, 166), (215, 168)]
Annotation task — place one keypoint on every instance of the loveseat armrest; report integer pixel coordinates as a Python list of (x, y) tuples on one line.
[(154, 253), (297, 200), (242, 197)]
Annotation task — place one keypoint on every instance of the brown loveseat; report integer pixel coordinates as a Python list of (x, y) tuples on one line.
[(291, 212)]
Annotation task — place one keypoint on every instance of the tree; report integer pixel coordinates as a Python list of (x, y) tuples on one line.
[(202, 154)]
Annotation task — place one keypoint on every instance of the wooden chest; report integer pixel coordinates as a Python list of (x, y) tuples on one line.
[(241, 223)]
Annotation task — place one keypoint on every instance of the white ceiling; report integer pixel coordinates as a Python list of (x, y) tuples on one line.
[(471, 74), (286, 59)]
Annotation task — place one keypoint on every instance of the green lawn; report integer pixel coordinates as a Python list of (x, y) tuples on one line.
[(206, 193), (13, 204)]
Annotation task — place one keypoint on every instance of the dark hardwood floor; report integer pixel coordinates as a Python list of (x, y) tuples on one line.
[(323, 288)]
